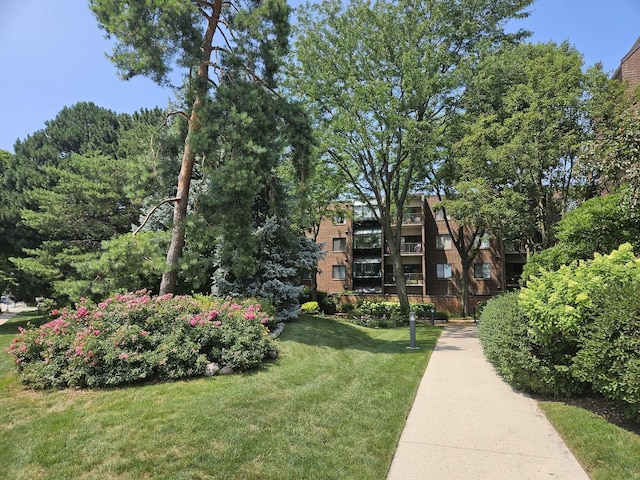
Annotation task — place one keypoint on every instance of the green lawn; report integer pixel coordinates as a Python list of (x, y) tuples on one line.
[(331, 407), (606, 451)]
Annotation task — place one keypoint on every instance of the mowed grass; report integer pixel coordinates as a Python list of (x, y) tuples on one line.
[(606, 451), (332, 406)]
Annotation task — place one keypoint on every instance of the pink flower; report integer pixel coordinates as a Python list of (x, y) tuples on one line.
[(82, 312), (264, 321), (96, 332), (213, 314), (217, 323), (55, 312), (143, 333), (103, 305), (123, 356), (250, 316), (192, 321)]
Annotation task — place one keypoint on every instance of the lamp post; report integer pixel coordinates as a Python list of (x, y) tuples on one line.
[(412, 331)]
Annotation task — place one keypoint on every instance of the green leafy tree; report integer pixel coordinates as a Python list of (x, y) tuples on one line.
[(197, 36), (511, 166), (613, 153), (385, 80), (599, 225)]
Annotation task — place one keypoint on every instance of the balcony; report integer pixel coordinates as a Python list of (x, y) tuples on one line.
[(412, 219), (409, 279), (408, 248)]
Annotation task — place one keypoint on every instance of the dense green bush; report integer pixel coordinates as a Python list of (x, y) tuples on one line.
[(507, 342), (327, 303), (135, 337), (610, 356), (310, 307), (572, 330), (385, 314)]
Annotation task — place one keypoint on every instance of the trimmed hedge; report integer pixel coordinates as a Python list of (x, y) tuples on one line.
[(570, 331), (136, 337)]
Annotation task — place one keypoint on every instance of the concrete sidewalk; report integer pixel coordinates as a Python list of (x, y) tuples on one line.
[(467, 423), (13, 310)]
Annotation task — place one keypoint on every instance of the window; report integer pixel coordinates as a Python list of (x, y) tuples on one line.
[(483, 242), (482, 270), (367, 268), (339, 219), (443, 270), (367, 239), (339, 244), (443, 242), (364, 212), (339, 272)]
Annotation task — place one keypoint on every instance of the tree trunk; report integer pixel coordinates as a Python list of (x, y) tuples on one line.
[(464, 294), (170, 276)]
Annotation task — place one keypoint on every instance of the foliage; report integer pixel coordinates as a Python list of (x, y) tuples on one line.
[(328, 303), (280, 258), (509, 346), (243, 43), (135, 337), (610, 355), (510, 164), (571, 330), (81, 180), (559, 304), (310, 307), (598, 225), (613, 153), (124, 264), (386, 314), (384, 82)]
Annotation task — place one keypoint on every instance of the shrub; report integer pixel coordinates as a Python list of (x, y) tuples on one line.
[(571, 330), (310, 307), (507, 343), (562, 305), (134, 337), (384, 314), (610, 356)]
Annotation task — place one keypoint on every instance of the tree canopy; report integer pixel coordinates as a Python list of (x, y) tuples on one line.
[(385, 80), (211, 41)]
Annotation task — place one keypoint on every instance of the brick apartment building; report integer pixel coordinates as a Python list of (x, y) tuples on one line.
[(629, 69), (356, 260)]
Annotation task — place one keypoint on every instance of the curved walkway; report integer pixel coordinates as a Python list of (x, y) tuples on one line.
[(467, 423), (13, 310)]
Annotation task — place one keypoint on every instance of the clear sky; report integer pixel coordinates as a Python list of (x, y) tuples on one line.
[(52, 55)]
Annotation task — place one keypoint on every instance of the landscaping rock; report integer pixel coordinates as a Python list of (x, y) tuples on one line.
[(272, 354), (226, 370), (278, 330), (211, 369)]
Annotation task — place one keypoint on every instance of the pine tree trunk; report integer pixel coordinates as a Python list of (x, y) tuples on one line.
[(170, 277)]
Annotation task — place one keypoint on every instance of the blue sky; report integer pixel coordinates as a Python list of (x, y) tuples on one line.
[(52, 55)]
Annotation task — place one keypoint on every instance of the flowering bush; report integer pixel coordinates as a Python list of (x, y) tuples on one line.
[(135, 337)]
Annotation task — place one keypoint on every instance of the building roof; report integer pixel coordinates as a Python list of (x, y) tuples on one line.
[(618, 73)]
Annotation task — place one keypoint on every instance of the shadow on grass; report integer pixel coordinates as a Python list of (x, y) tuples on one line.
[(340, 335), (21, 319)]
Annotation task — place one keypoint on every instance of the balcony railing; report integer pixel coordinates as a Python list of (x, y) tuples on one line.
[(409, 279), (411, 219), (411, 247)]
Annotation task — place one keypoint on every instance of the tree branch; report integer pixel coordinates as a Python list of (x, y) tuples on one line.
[(146, 219)]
